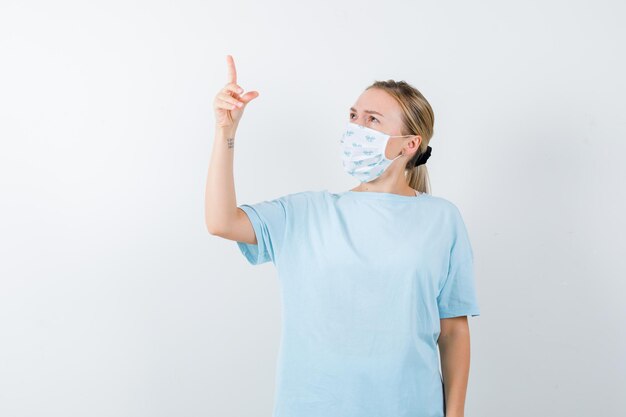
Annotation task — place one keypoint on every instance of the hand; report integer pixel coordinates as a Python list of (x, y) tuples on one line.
[(229, 103)]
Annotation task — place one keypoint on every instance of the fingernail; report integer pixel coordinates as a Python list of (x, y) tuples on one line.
[(240, 90)]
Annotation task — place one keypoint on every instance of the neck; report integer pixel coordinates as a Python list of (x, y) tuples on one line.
[(402, 190)]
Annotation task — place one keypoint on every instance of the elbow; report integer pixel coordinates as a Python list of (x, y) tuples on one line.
[(211, 224), (212, 228), (215, 232), (211, 231), (221, 229), (220, 226)]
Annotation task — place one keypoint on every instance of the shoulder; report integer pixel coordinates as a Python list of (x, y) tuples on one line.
[(447, 211), (311, 200), (300, 198), (445, 204), (440, 203)]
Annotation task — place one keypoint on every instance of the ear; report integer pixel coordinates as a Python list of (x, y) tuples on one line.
[(418, 139)]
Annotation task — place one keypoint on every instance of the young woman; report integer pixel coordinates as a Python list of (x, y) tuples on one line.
[(373, 280)]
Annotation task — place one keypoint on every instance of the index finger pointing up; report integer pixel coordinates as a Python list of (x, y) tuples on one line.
[(232, 72)]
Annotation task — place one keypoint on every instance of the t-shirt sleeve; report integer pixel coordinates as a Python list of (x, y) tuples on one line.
[(457, 297), (269, 219)]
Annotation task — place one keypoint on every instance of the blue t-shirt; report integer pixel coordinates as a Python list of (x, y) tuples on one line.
[(365, 278)]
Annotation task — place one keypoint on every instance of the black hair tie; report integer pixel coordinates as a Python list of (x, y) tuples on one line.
[(423, 157)]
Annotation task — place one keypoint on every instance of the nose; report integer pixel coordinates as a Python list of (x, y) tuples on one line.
[(361, 121)]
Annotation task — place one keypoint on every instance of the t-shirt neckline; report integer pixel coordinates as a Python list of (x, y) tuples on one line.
[(384, 196)]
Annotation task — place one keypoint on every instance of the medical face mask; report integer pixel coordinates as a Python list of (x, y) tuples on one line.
[(363, 152)]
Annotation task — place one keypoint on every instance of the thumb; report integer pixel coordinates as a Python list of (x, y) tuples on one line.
[(249, 96)]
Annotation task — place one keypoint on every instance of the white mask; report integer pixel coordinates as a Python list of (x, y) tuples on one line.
[(363, 152)]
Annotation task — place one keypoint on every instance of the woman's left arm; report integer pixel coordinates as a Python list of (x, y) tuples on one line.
[(454, 348)]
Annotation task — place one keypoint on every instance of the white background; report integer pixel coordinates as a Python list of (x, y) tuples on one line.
[(114, 299)]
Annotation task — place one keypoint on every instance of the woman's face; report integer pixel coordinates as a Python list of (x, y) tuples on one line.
[(379, 111)]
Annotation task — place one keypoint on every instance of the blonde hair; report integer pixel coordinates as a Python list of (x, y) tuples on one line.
[(417, 119)]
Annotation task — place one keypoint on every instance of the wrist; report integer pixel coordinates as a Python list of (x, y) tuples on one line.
[(226, 130)]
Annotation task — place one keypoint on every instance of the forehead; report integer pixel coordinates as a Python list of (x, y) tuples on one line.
[(378, 100)]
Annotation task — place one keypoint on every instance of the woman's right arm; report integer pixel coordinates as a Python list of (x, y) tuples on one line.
[(222, 216)]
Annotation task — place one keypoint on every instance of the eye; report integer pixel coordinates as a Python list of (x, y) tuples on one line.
[(371, 117)]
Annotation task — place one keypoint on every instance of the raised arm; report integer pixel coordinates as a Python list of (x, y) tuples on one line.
[(222, 216)]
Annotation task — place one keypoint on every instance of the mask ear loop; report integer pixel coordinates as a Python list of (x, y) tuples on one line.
[(423, 157), (400, 136)]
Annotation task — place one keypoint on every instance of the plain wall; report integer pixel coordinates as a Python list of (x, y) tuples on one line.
[(115, 300)]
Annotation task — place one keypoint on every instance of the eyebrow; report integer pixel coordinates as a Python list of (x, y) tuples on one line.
[(367, 111)]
